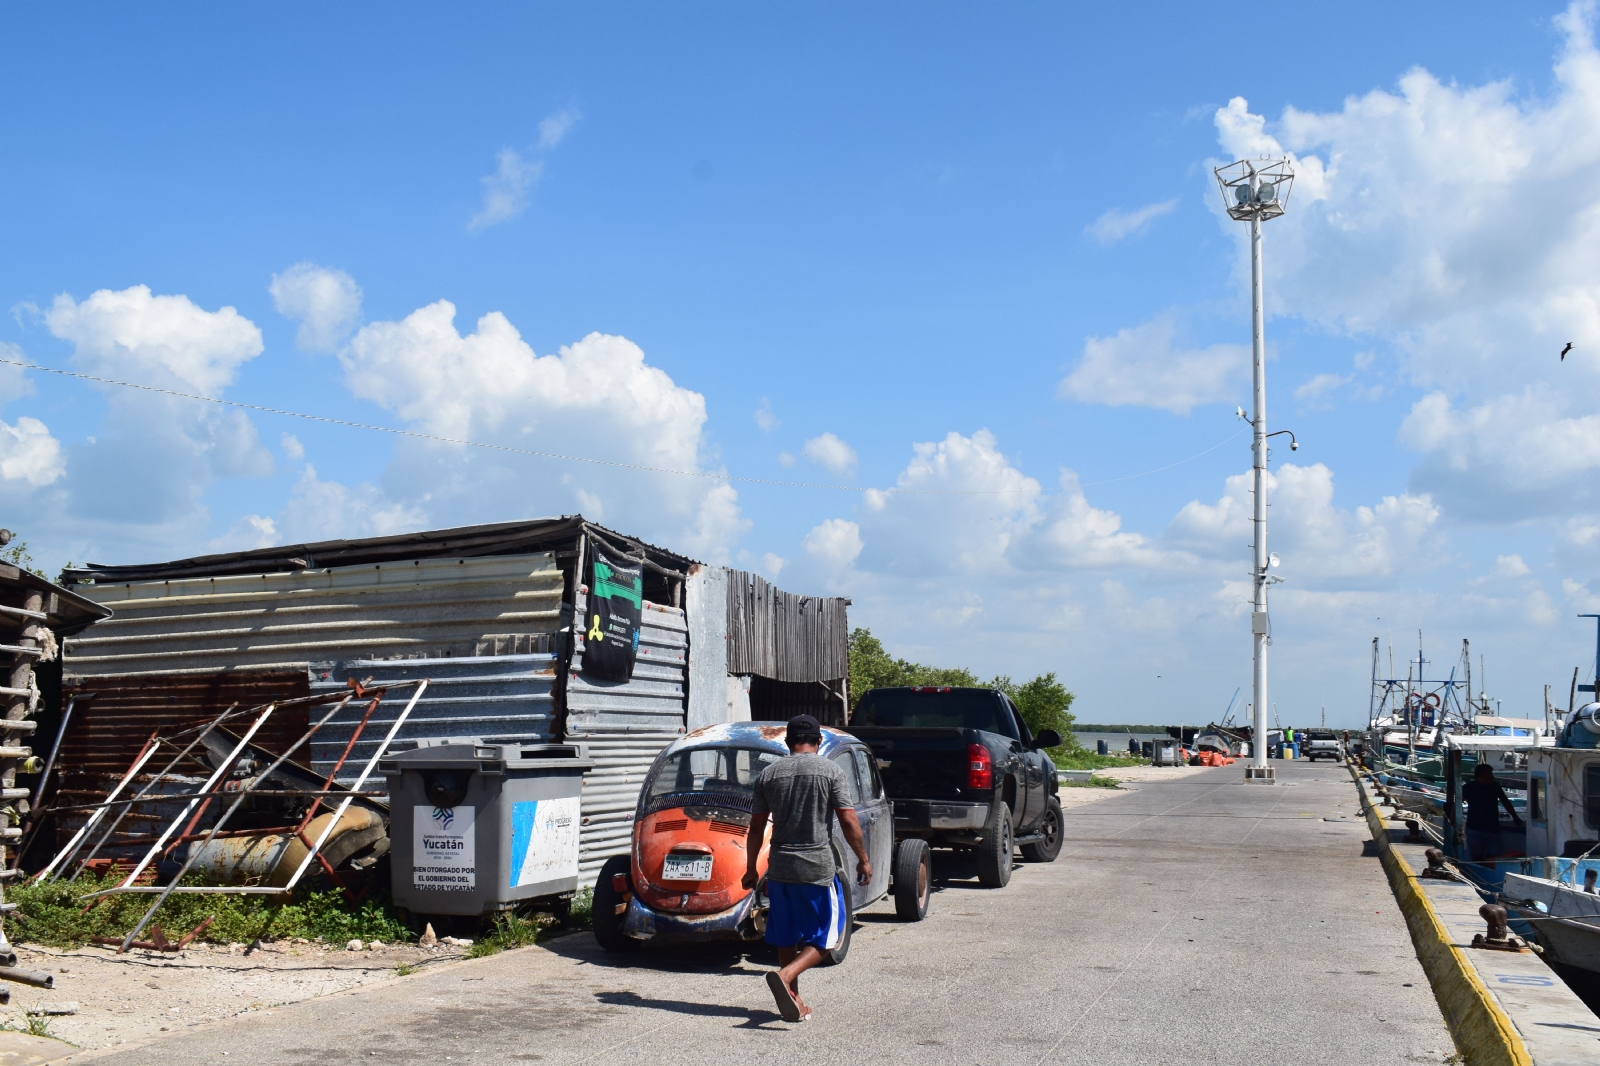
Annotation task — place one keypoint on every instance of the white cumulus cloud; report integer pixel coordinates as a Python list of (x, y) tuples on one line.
[(326, 303), (156, 454), (1144, 366), (835, 543), (832, 454), (597, 398), (28, 453)]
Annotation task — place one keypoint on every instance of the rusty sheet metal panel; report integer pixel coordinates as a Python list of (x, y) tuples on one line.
[(420, 608), (503, 697), (785, 636), (625, 724), (145, 821), (114, 716)]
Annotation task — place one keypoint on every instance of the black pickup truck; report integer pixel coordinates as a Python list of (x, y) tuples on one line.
[(964, 772)]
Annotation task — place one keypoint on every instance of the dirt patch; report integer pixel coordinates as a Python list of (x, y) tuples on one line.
[(143, 994)]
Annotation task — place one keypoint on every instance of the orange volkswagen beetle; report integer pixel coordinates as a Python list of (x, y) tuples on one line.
[(681, 879)]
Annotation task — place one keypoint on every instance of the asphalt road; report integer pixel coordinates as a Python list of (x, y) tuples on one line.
[(1198, 920)]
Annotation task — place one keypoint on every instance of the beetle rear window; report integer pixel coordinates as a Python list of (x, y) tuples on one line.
[(713, 771)]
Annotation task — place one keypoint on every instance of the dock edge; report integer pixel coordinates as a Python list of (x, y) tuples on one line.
[(1483, 1032)]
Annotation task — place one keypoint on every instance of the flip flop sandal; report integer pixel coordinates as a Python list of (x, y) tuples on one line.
[(785, 999)]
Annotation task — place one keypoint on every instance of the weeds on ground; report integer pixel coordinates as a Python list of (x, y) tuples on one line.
[(581, 913), (405, 969), (1081, 759), (52, 914), (33, 1027), (1093, 782), (514, 931), (509, 931)]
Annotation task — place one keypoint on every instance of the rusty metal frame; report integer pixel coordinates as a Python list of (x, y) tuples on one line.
[(315, 849), (71, 848), (244, 794), (216, 775), (151, 784)]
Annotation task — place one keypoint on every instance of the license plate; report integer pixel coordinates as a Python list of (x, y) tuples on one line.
[(686, 868)]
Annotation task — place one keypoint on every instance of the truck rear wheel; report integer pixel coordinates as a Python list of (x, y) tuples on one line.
[(913, 879), (605, 919), (1048, 846), (994, 853)]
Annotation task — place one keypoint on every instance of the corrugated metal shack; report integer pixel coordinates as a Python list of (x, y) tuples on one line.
[(485, 612)]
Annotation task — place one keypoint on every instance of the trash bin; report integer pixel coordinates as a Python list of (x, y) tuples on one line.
[(1100, 747), (1166, 753), (477, 826)]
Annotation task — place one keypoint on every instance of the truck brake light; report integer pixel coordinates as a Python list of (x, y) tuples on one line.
[(980, 767), (929, 688)]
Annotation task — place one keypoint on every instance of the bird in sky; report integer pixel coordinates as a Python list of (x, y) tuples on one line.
[(1565, 350)]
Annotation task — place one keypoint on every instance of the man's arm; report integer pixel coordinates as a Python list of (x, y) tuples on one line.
[(752, 849), (850, 825), (1505, 799)]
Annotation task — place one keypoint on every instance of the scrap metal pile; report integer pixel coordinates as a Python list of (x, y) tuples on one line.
[(250, 822)]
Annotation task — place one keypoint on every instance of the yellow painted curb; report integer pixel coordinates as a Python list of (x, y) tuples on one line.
[(1484, 1034)]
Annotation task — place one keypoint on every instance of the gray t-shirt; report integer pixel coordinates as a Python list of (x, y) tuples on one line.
[(801, 792)]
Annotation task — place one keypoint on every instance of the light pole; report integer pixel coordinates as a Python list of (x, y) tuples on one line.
[(1254, 191)]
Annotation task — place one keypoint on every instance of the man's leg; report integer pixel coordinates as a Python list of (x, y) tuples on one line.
[(797, 963)]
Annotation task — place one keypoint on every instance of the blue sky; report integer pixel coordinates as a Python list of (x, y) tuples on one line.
[(888, 224)]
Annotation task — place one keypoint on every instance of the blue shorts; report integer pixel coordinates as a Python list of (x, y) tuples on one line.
[(1481, 844), (806, 914)]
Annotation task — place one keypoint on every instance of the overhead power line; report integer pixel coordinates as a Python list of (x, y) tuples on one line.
[(709, 475)]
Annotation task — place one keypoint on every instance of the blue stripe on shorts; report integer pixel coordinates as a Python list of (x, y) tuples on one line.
[(806, 914)]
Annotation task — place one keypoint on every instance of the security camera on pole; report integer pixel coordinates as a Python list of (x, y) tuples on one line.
[(1254, 190)]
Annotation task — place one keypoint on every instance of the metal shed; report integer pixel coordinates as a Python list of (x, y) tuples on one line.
[(484, 612)]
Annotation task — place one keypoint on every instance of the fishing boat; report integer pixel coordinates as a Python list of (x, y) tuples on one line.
[(1564, 918)]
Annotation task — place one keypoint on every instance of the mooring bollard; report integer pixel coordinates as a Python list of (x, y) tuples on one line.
[(1499, 937)]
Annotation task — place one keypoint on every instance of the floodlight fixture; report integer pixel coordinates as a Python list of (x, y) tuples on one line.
[(1256, 188)]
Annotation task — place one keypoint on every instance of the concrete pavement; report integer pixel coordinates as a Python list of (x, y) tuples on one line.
[(1197, 920)]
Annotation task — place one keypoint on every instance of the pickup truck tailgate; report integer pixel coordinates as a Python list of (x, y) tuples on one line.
[(930, 763)]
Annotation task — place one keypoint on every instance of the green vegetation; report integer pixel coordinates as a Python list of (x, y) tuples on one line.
[(16, 553), (509, 931), (53, 914), (873, 667), (513, 931), (1044, 702), (1093, 782), (33, 1027), (1079, 759)]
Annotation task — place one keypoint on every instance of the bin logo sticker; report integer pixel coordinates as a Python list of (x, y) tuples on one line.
[(544, 840), (443, 858)]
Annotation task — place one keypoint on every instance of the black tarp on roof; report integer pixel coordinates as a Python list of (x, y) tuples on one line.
[(499, 538)]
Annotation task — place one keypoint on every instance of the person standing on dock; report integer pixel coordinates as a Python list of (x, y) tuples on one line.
[(1484, 795), (806, 913)]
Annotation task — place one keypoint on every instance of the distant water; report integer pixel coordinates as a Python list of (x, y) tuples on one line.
[(1115, 742)]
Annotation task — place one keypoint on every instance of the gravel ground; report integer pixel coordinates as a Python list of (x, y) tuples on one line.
[(143, 994)]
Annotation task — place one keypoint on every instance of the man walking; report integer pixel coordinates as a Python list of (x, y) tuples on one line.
[(807, 915)]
